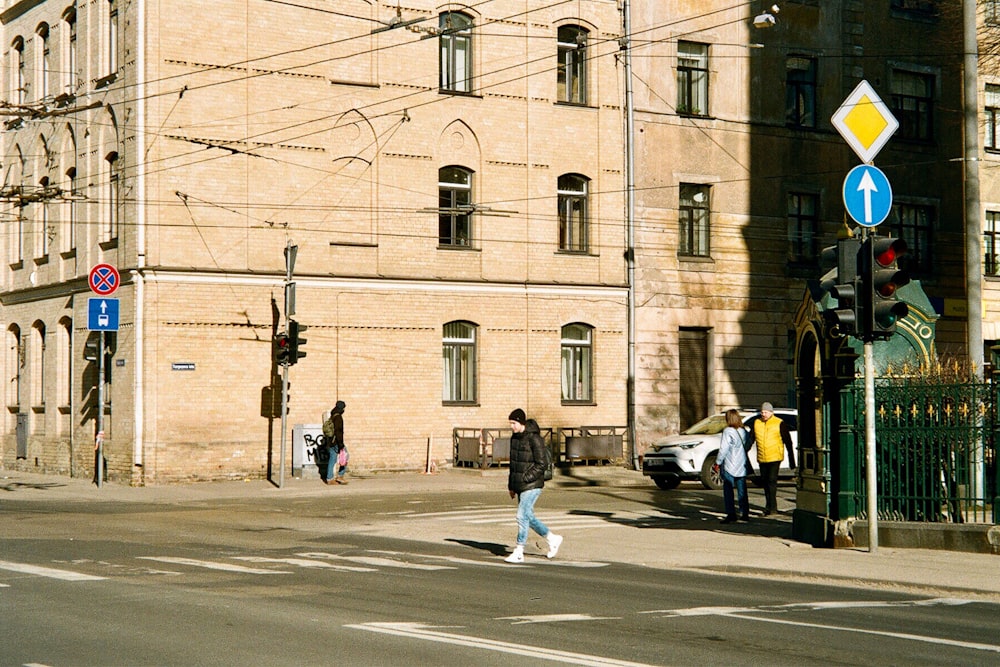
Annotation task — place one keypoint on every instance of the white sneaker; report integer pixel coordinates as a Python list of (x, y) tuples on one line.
[(517, 556), (554, 542)]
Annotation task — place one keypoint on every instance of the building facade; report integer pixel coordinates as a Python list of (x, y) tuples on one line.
[(453, 187)]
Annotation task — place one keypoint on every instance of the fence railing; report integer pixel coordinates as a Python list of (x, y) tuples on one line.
[(486, 447), (935, 450)]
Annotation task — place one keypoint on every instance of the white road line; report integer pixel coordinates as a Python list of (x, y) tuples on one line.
[(305, 562), (212, 565), (495, 563), (378, 562), (420, 631), (556, 618), (49, 572)]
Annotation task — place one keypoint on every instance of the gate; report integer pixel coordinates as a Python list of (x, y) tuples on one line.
[(935, 450)]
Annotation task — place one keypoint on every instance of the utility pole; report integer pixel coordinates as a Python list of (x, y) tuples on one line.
[(625, 45), (973, 224), (290, 252)]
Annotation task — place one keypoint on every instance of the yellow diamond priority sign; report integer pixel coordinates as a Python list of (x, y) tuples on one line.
[(865, 122)]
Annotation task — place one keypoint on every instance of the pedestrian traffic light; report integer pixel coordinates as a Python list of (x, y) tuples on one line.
[(295, 342), (841, 282), (882, 277), (282, 349)]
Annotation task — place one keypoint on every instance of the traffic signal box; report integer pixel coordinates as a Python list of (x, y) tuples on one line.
[(881, 277), (842, 282), (282, 349), (295, 342)]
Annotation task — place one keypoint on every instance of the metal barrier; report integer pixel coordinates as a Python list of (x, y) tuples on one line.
[(487, 447), (594, 444)]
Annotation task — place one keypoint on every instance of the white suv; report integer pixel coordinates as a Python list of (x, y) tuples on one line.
[(691, 455)]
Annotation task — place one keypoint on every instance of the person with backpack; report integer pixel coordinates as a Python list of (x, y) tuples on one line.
[(732, 464), (529, 461), (333, 434)]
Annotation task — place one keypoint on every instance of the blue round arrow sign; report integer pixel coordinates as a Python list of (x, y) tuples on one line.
[(867, 195)]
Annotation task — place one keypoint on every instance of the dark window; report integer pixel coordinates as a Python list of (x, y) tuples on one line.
[(991, 249), (693, 215), (914, 223), (800, 91), (459, 362), (991, 113), (803, 226), (912, 104)]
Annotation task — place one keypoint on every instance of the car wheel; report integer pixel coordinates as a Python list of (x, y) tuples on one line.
[(710, 479), (667, 483)]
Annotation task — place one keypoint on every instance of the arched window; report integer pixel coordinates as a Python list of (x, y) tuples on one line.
[(68, 69), (111, 214), (38, 365), (455, 207), (459, 362), (14, 365), (44, 61), (64, 384), (17, 80), (577, 363), (111, 51), (571, 69), (456, 52), (573, 215)]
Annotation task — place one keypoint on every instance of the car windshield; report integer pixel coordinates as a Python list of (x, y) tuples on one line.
[(708, 426)]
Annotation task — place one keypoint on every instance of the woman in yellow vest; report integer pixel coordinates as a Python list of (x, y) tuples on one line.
[(773, 438)]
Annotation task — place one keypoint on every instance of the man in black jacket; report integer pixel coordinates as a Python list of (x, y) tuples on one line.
[(525, 482)]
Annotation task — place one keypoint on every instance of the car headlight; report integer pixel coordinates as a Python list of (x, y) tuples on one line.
[(688, 445)]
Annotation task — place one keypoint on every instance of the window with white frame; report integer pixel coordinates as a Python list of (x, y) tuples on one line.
[(692, 78), (44, 61), (14, 366), (455, 207), (456, 52), (111, 215), (64, 387), (43, 232), (991, 116), (111, 50), (69, 46), (577, 363), (571, 68), (693, 215), (459, 362), (573, 213), (38, 365), (69, 212), (17, 76)]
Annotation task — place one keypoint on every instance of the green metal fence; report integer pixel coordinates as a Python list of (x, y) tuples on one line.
[(935, 450)]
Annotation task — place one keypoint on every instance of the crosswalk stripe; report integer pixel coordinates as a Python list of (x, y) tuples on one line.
[(212, 565), (52, 573)]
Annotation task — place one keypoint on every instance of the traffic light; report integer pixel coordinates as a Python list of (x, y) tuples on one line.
[(282, 349), (882, 277), (295, 342), (842, 284)]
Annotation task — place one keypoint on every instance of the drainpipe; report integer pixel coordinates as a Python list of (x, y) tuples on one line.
[(140, 236), (626, 48)]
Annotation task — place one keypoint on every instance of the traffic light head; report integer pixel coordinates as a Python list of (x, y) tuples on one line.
[(883, 277), (842, 284), (295, 342), (282, 349)]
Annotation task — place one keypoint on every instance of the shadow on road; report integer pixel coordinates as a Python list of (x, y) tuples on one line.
[(40, 486), (492, 547)]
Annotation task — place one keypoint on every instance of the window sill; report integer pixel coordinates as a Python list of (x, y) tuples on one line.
[(696, 259), (69, 254), (460, 404), (703, 116), (579, 404), (577, 105), (64, 409), (38, 409), (459, 93), (14, 409), (110, 244), (460, 248), (44, 259), (19, 264), (575, 253), (106, 80)]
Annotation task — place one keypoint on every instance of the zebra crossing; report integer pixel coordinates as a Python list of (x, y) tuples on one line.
[(559, 521)]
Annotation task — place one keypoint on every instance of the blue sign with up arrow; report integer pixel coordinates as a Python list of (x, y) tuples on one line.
[(867, 195), (102, 314)]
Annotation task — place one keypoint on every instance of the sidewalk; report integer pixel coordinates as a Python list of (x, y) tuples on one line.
[(741, 552)]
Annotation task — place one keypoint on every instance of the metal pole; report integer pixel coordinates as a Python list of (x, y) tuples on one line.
[(626, 46), (284, 411), (871, 481), (99, 437), (973, 224)]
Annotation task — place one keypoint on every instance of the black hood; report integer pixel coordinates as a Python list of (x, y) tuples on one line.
[(531, 426)]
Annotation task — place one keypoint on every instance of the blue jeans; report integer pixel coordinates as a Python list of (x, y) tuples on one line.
[(740, 484), (526, 516), (332, 468)]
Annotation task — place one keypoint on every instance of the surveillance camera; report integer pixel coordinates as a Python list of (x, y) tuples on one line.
[(763, 21)]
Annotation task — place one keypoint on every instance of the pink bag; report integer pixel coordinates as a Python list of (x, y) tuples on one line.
[(342, 457)]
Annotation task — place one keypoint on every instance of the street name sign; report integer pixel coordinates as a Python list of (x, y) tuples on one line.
[(102, 314), (867, 195), (865, 122)]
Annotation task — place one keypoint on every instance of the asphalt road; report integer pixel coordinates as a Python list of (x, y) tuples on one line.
[(402, 580)]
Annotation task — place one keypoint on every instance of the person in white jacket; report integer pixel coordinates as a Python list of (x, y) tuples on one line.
[(731, 461)]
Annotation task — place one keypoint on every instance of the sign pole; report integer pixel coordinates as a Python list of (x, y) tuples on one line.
[(871, 481), (99, 439)]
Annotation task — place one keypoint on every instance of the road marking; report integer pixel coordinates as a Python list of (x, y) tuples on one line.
[(747, 613), (378, 562), (212, 565), (556, 618), (420, 631), (49, 572), (494, 563), (305, 561)]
